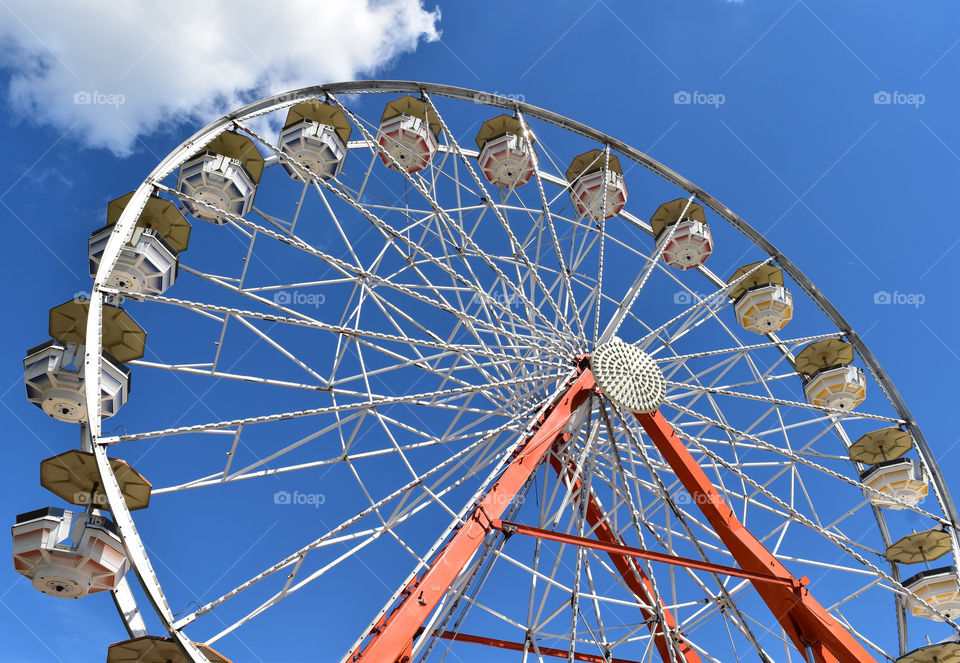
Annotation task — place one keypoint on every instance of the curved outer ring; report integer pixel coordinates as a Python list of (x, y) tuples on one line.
[(124, 227)]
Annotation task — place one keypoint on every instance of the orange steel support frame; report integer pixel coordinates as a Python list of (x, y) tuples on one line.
[(812, 629), (391, 640), (632, 574)]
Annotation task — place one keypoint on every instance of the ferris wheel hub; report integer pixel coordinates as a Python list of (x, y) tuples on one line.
[(628, 376)]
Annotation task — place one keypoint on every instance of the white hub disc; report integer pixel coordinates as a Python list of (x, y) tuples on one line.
[(628, 376)]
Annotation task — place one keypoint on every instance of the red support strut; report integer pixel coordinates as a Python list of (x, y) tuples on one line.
[(391, 640), (638, 553), (519, 646), (634, 576), (810, 627)]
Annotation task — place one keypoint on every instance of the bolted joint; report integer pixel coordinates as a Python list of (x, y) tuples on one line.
[(508, 529)]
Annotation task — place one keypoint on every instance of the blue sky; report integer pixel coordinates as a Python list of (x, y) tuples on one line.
[(788, 125)]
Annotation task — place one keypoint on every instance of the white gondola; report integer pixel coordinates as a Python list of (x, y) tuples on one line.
[(895, 481), (507, 158), (841, 388), (315, 136), (148, 262), (66, 554), (829, 380), (224, 175), (683, 238), (761, 303), (407, 135), (765, 309), (54, 372), (597, 188), (939, 588)]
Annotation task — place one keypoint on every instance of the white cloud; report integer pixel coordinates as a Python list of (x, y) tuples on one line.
[(153, 62)]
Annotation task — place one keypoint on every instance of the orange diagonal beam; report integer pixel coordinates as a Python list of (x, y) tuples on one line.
[(812, 629), (634, 576), (392, 638)]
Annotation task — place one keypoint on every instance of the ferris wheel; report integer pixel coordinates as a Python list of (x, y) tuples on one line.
[(447, 376)]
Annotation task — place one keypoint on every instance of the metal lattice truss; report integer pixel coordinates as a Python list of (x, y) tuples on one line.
[(392, 339)]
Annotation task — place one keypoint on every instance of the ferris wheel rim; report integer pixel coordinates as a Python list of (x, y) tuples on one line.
[(189, 147)]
